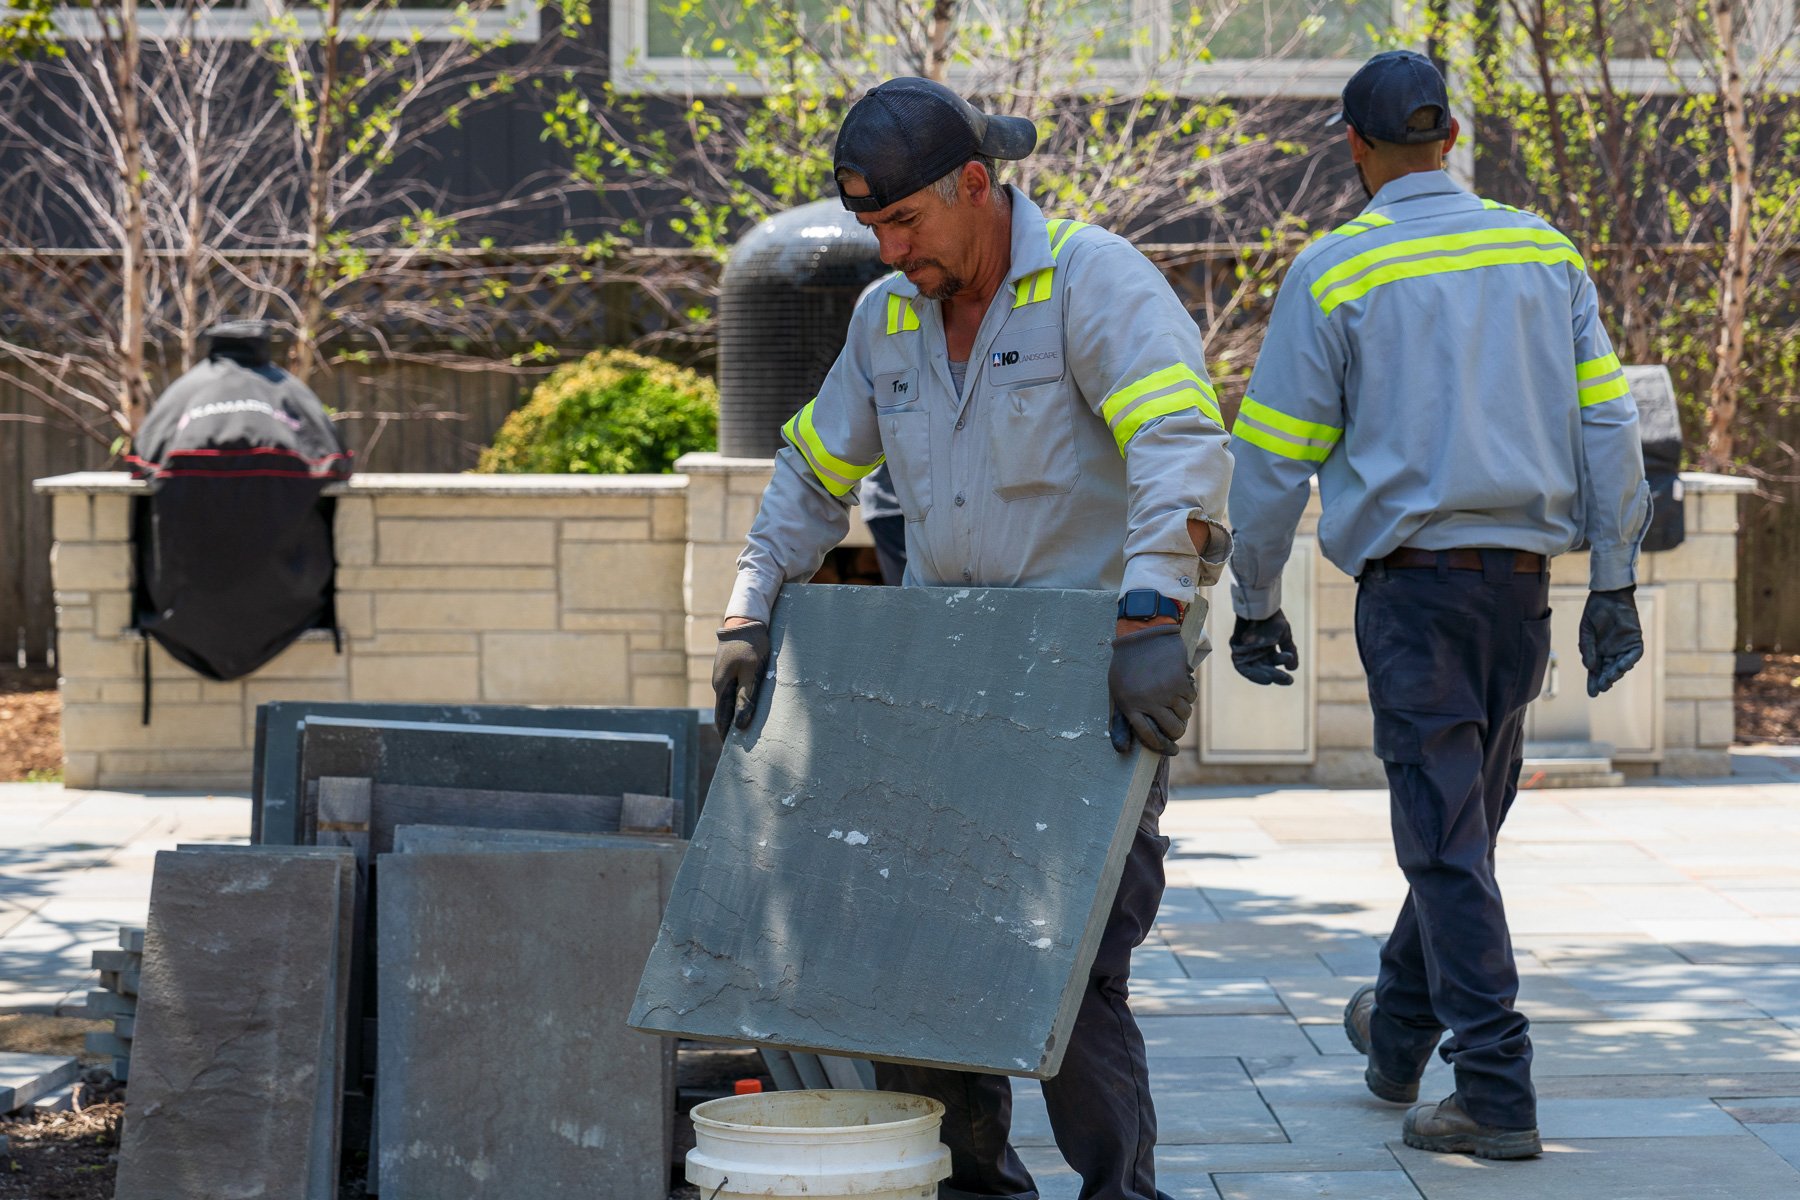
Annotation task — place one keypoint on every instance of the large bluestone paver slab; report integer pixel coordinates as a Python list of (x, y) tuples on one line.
[(275, 811), (506, 1066), (237, 1056), (911, 852), (449, 759), (1697, 1168)]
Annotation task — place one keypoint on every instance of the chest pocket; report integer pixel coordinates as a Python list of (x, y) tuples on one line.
[(1030, 422), (906, 440)]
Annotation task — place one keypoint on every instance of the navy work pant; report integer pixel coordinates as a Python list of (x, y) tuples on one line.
[(1099, 1102), (1453, 657)]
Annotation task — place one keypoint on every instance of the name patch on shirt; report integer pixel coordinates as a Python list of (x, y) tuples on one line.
[(900, 387), (1030, 356)]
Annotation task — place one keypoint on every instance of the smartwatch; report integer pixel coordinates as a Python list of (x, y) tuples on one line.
[(1141, 604)]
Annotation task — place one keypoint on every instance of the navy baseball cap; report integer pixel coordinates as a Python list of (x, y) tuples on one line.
[(908, 133), (1389, 89)]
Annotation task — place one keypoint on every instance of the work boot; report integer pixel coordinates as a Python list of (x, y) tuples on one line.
[(1357, 1016), (1446, 1129)]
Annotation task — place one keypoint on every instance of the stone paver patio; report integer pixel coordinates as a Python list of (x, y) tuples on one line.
[(1657, 928)]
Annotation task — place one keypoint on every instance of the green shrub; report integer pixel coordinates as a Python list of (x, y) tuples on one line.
[(612, 413)]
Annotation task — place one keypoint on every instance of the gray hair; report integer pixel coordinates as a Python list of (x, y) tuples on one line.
[(949, 188)]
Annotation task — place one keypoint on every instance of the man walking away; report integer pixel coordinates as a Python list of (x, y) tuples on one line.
[(1439, 361)]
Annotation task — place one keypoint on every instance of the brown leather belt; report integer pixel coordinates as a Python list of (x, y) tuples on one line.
[(1463, 559)]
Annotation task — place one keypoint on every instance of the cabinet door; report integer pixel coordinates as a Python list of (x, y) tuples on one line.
[(1629, 717), (1242, 722)]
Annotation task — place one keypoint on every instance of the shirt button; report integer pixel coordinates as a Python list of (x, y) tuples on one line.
[(959, 499), (967, 574), (959, 422), (1186, 582)]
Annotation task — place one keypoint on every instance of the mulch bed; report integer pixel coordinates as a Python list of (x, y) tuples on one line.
[(30, 724), (64, 1156), (1768, 702)]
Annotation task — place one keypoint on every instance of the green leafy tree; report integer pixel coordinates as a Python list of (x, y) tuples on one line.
[(613, 412)]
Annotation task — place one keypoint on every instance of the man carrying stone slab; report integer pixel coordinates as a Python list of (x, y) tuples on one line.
[(1041, 400)]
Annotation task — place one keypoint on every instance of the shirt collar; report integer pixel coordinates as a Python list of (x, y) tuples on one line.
[(1030, 244), (1414, 185)]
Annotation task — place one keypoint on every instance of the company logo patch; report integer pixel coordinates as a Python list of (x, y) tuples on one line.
[(1005, 358)]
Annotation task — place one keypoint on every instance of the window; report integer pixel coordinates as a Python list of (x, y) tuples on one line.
[(241, 19), (1251, 47)]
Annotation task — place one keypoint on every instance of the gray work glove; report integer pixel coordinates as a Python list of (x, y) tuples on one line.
[(738, 671), (1152, 688), (1612, 639), (1260, 649)]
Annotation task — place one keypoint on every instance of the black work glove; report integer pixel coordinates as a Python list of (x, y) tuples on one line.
[(1152, 687), (1612, 639), (1260, 649), (738, 671)]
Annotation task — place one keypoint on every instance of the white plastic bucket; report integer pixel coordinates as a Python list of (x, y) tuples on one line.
[(821, 1145)]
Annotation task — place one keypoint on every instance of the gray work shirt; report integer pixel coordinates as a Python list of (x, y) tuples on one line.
[(1085, 439), (1440, 362)]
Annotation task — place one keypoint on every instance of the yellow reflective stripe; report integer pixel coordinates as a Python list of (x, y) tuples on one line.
[(1158, 394), (1608, 389), (1278, 433), (1446, 243), (837, 475), (1431, 255), (1275, 444), (1060, 233), (1262, 414), (1034, 287), (1363, 224), (900, 315), (1594, 368)]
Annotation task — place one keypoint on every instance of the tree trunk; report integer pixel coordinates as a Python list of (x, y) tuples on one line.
[(303, 356), (134, 384), (942, 34), (1734, 277)]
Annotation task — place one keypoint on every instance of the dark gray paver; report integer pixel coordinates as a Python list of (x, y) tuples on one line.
[(911, 852), (238, 1052), (441, 762), (506, 1067), (1199, 1101), (276, 816), (1206, 1037), (1698, 1168), (1316, 1185), (25, 1077)]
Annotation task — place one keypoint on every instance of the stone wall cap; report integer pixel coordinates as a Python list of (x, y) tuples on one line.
[(412, 484), (1706, 481), (710, 462)]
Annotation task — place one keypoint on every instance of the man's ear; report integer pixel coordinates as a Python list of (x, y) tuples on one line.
[(1359, 148), (975, 183), (1449, 142)]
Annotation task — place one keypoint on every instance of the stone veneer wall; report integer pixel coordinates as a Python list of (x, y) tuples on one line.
[(484, 589), (607, 590)]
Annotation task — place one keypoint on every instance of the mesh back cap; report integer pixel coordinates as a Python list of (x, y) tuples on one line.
[(908, 133), (1387, 90)]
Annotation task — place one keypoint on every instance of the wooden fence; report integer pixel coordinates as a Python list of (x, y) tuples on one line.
[(400, 417)]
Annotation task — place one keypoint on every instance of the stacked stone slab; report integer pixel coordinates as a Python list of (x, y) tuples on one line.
[(276, 816), (28, 1080), (911, 853), (506, 1064), (240, 1026), (116, 1000)]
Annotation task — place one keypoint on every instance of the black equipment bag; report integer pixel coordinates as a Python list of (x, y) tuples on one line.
[(234, 554)]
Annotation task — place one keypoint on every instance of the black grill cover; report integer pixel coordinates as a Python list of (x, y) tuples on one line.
[(1659, 430), (784, 306), (234, 556)]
